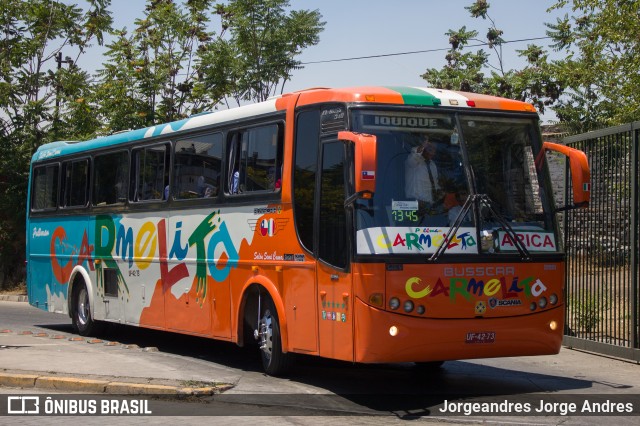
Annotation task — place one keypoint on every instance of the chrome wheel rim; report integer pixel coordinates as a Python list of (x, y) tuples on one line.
[(83, 306), (266, 334)]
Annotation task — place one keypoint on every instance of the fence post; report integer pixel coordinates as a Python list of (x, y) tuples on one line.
[(634, 231)]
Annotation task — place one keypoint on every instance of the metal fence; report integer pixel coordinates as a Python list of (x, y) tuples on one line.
[(602, 289)]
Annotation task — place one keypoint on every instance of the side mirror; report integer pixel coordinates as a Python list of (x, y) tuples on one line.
[(365, 160), (580, 172)]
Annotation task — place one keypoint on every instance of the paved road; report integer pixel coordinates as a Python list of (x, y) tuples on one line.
[(320, 388)]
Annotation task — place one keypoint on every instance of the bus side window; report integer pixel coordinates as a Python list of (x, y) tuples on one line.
[(255, 160), (75, 183), (151, 173), (110, 178), (197, 167), (44, 194)]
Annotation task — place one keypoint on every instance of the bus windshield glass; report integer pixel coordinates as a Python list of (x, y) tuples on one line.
[(438, 171)]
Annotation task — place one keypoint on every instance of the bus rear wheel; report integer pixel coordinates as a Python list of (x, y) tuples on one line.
[(430, 366), (274, 361), (82, 317)]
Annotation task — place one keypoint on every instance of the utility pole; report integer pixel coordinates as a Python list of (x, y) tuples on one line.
[(56, 119)]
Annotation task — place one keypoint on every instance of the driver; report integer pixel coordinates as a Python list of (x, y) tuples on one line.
[(421, 176)]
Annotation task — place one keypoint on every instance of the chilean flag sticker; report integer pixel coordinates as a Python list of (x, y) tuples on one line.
[(368, 175), (267, 227)]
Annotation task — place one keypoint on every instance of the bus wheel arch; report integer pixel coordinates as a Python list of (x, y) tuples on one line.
[(81, 304), (79, 276), (261, 322)]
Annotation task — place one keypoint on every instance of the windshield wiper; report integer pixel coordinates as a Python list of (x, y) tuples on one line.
[(484, 200), (455, 226)]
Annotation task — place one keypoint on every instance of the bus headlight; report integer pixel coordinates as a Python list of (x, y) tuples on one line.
[(542, 303), (420, 310), (553, 299)]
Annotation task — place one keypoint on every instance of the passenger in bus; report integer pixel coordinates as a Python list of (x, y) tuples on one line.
[(205, 190), (421, 177), (453, 202)]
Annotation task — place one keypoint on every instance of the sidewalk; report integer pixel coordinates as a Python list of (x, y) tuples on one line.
[(13, 298), (58, 361)]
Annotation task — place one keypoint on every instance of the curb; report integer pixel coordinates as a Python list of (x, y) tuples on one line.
[(13, 298), (104, 385)]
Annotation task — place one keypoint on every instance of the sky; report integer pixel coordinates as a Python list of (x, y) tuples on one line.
[(356, 28)]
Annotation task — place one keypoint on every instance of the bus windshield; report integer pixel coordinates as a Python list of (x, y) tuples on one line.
[(438, 171)]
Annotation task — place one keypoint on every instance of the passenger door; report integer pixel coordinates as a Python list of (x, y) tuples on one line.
[(335, 299)]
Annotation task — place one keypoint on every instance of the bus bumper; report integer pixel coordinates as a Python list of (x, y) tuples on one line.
[(383, 337)]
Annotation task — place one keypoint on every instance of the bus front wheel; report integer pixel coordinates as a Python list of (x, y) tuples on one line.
[(274, 361), (82, 318)]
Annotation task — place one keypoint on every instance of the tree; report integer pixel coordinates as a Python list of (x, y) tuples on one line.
[(151, 72), (33, 92), (257, 58), (171, 65), (467, 71), (600, 46), (594, 83)]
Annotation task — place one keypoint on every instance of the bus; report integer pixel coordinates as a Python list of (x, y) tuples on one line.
[(364, 224)]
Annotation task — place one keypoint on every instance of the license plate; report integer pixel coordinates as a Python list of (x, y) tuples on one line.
[(481, 337)]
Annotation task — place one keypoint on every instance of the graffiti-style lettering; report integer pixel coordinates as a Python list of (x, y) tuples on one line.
[(440, 289), (399, 241), (458, 286), (206, 227), (105, 241), (61, 272), (124, 244), (223, 237), (169, 276), (177, 251), (492, 287), (85, 252), (538, 288), (146, 243), (474, 287), (416, 294)]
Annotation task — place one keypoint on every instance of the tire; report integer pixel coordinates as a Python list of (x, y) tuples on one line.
[(431, 366), (274, 361), (82, 317)]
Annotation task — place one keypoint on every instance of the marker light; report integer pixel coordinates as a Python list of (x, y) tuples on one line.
[(393, 331), (376, 299), (542, 303), (553, 325), (408, 306), (394, 303)]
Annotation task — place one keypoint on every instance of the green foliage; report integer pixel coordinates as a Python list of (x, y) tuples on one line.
[(259, 54), (169, 66), (600, 46), (475, 72), (34, 94), (586, 311), (595, 83), (151, 72)]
